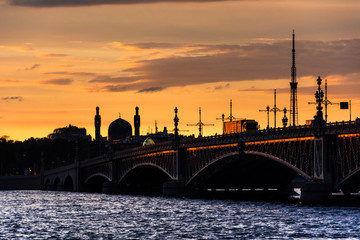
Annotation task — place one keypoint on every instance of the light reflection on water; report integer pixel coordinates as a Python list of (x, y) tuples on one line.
[(64, 215)]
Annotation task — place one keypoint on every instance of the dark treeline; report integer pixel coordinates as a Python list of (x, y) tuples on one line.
[(25, 158)]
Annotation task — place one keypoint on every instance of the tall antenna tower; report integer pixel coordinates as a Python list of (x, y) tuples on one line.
[(293, 88)]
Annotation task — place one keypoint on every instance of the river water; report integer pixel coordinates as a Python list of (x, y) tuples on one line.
[(68, 215)]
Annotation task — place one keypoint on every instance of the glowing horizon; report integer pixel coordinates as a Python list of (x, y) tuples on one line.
[(56, 67)]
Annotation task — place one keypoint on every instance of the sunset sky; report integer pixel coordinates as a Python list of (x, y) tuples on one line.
[(59, 59)]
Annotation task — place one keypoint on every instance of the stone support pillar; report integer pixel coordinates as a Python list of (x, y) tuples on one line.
[(177, 188), (319, 189), (111, 187)]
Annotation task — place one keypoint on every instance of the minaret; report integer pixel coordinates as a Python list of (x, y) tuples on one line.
[(293, 89), (97, 125), (137, 122)]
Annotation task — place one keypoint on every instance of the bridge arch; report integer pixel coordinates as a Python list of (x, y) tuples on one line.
[(57, 182), (95, 182), (47, 184), (69, 184), (144, 178), (281, 161), (102, 175), (250, 169), (210, 163), (351, 182), (143, 165)]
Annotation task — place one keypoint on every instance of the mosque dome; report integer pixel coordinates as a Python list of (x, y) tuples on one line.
[(148, 141), (119, 129)]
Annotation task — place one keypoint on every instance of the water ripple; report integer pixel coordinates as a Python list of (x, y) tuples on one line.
[(63, 215)]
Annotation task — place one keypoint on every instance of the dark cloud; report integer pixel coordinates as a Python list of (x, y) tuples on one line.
[(339, 90), (219, 87), (71, 73), (229, 63), (78, 3), (59, 81), (342, 90), (9, 80), (262, 62), (109, 79), (17, 98), (32, 67), (152, 89), (151, 45), (54, 55), (116, 88)]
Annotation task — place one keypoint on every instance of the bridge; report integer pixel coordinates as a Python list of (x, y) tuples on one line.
[(322, 158), (319, 158)]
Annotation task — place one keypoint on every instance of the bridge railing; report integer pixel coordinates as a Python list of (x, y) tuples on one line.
[(260, 135), (163, 146), (264, 134), (343, 127)]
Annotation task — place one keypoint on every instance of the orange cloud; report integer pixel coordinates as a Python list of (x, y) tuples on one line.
[(71, 73), (200, 64), (62, 3), (84, 60), (52, 55), (25, 48), (58, 81)]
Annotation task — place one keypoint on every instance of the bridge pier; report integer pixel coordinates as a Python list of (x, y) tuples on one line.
[(51, 187), (319, 189), (109, 187), (315, 192), (173, 189), (177, 188), (321, 186)]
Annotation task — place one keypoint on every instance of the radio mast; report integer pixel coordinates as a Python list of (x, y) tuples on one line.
[(293, 88)]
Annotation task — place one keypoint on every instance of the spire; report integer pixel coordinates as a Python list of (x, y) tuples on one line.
[(293, 49), (293, 88)]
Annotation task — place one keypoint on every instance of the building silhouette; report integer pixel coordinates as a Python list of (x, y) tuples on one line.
[(70, 133), (97, 125), (137, 122)]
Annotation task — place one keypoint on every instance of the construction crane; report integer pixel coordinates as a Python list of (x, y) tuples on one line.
[(326, 102), (200, 124)]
